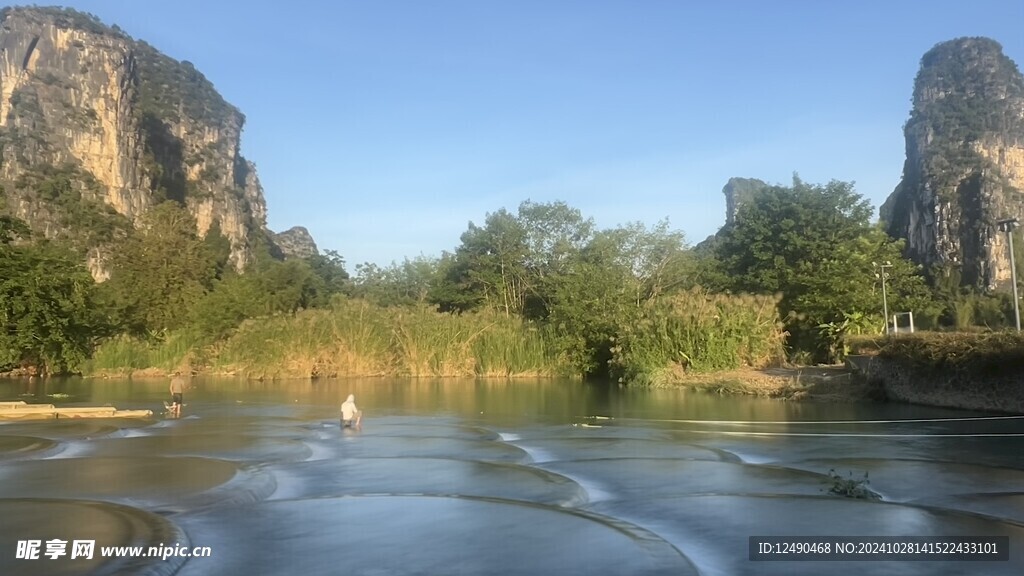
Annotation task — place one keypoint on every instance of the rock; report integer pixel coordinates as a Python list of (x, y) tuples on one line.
[(295, 242), (739, 191), (964, 167), (96, 128)]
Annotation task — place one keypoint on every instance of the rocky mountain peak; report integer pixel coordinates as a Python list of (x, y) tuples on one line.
[(964, 168), (96, 128), (296, 242)]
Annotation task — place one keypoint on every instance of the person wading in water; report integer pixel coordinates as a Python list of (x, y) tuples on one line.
[(177, 391), (351, 416)]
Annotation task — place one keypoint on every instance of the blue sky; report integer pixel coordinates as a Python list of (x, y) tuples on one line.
[(385, 127)]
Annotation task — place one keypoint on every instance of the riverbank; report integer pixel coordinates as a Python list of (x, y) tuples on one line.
[(971, 371), (357, 338), (818, 383)]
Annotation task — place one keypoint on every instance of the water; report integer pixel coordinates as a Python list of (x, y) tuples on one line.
[(464, 477)]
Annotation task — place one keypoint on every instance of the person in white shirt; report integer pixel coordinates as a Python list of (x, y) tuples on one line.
[(351, 416)]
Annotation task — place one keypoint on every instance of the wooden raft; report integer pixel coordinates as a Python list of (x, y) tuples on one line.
[(23, 411)]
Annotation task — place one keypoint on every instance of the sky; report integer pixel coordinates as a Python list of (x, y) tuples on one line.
[(385, 127)]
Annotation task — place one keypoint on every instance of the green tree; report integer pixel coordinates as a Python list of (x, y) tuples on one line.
[(554, 234), (510, 263), (160, 271), (411, 281), (330, 268), (48, 318), (593, 300), (219, 249), (234, 298), (816, 246), (489, 268), (289, 286), (658, 259), (609, 282)]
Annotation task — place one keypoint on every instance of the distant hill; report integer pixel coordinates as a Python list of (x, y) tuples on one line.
[(964, 167), (97, 127)]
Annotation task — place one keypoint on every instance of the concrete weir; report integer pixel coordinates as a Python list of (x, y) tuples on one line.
[(24, 411)]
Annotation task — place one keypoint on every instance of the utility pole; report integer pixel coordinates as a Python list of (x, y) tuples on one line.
[(1008, 225), (885, 303)]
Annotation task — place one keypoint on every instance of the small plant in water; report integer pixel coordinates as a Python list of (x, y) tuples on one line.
[(851, 487)]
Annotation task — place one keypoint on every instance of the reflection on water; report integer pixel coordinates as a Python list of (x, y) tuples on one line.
[(490, 477)]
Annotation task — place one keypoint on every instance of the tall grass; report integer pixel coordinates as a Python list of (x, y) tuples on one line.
[(356, 338), (349, 339), (701, 332), (123, 355)]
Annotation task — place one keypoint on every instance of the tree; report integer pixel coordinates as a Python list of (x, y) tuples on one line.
[(330, 267), (160, 271), (48, 319), (510, 262), (555, 234), (409, 282), (592, 301), (607, 284), (289, 286), (815, 245), (657, 258), (489, 268), (219, 249)]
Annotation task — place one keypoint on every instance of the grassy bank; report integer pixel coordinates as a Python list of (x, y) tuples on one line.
[(820, 383), (124, 355), (975, 353), (664, 344), (696, 332), (351, 338)]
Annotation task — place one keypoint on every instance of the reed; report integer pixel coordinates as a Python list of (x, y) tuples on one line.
[(116, 356), (124, 355), (356, 338), (699, 332)]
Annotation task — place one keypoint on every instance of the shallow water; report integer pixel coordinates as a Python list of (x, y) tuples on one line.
[(465, 477)]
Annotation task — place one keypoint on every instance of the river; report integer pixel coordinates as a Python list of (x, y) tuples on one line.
[(491, 477)]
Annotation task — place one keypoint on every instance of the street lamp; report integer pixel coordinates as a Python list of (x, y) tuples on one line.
[(885, 304), (1007, 225)]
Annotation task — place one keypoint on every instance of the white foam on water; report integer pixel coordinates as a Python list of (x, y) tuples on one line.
[(319, 452), (287, 486), (538, 454), (751, 458), (595, 493), (509, 437), (73, 449)]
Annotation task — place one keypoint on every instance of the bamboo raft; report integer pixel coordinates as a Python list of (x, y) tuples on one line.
[(23, 411)]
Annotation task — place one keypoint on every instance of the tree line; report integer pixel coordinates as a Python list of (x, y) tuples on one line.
[(805, 255)]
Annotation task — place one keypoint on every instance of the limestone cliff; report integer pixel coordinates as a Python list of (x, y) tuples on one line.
[(295, 242), (739, 191), (96, 127), (964, 168)]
